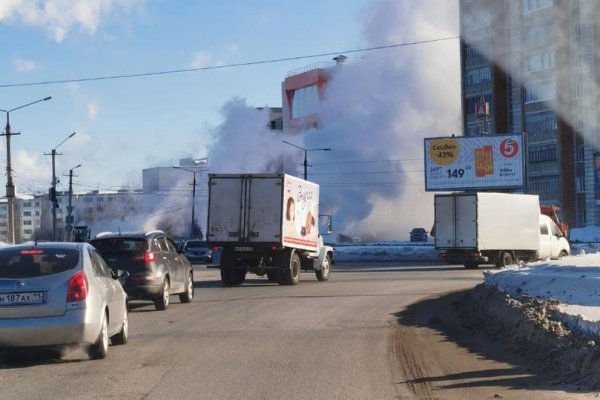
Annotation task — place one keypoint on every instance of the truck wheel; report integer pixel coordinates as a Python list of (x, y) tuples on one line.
[(562, 254), (325, 271), (226, 264), (471, 265), (504, 260), (238, 276), (291, 269)]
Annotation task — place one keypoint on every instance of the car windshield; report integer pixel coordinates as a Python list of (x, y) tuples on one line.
[(30, 263), (120, 245)]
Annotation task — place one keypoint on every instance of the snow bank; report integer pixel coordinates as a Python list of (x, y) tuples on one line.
[(573, 282)]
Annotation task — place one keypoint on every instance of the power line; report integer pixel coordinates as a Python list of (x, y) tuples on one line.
[(234, 65)]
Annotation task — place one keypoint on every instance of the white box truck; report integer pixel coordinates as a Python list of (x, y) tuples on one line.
[(495, 228), (266, 224)]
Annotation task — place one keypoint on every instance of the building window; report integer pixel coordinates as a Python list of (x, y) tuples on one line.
[(580, 184), (37, 213), (543, 152), (27, 204), (305, 101), (27, 222), (477, 53), (580, 153), (540, 62), (545, 183), (479, 75), (534, 5), (476, 20), (100, 199), (540, 122), (581, 216), (27, 231), (3, 223), (27, 213), (37, 203), (540, 91), (539, 34)]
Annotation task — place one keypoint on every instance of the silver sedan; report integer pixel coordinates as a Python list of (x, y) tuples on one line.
[(60, 294)]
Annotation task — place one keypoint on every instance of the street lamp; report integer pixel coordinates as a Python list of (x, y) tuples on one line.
[(53, 197), (199, 163), (10, 187), (69, 221), (305, 153)]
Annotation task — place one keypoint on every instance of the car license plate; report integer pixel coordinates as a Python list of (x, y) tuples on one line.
[(244, 249), (21, 298)]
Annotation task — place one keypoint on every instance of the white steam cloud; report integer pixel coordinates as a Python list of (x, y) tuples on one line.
[(376, 112)]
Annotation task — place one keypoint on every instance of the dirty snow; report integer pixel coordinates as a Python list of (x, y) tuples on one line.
[(574, 281)]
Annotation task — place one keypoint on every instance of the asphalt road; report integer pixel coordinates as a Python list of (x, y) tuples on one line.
[(358, 336)]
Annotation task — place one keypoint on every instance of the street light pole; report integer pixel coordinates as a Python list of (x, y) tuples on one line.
[(53, 197), (305, 155), (193, 224), (70, 221), (10, 187)]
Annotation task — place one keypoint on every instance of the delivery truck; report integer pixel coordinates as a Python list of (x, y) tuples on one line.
[(266, 224), (495, 228)]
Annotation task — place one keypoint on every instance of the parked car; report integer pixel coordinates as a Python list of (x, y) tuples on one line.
[(198, 252), (59, 294), (418, 235), (156, 268)]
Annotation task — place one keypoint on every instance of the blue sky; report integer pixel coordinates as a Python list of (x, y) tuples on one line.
[(125, 125), (376, 112)]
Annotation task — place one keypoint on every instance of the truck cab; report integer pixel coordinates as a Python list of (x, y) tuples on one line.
[(553, 243)]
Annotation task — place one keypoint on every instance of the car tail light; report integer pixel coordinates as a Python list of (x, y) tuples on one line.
[(78, 288), (215, 248), (149, 257)]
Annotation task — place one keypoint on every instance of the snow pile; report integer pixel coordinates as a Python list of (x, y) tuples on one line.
[(386, 251), (573, 283)]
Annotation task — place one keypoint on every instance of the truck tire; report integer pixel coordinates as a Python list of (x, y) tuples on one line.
[(226, 264), (290, 269), (325, 271), (562, 254), (505, 259)]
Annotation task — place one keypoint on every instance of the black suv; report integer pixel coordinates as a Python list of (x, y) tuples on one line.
[(156, 268)]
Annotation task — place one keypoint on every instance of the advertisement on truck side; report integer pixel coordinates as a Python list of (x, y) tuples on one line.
[(300, 213), (474, 162)]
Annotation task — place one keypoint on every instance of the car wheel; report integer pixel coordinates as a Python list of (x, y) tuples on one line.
[(162, 301), (99, 349), (325, 271), (123, 335), (187, 296), (563, 254)]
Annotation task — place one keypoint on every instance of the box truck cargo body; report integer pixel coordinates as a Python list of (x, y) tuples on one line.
[(497, 228), (266, 224)]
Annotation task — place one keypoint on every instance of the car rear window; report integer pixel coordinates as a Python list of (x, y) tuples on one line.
[(196, 243), (120, 245), (30, 263)]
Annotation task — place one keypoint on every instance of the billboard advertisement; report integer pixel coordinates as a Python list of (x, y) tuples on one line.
[(474, 162), (300, 213)]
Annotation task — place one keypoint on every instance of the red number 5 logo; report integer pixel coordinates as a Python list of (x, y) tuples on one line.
[(509, 148)]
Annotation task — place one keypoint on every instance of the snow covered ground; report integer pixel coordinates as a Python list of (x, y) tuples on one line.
[(573, 281)]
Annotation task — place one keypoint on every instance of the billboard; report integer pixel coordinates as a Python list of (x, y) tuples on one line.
[(474, 162)]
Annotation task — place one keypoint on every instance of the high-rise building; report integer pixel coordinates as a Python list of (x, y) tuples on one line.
[(532, 66)]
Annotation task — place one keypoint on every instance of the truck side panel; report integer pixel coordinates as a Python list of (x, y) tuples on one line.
[(508, 221), (225, 209), (300, 214), (264, 209)]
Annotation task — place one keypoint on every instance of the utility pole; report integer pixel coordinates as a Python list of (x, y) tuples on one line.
[(53, 197), (194, 235), (70, 220), (10, 186)]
